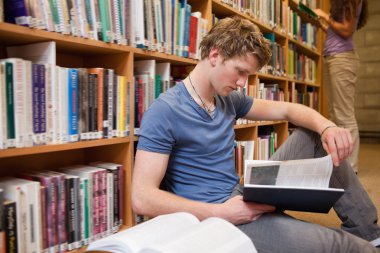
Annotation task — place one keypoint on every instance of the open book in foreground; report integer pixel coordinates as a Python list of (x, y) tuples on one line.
[(299, 185), (177, 232)]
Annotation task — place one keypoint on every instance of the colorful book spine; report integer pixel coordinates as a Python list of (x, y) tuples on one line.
[(73, 105)]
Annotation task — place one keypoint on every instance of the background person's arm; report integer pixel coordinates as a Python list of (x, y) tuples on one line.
[(345, 28)]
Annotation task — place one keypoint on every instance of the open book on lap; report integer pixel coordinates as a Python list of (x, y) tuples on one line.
[(299, 185), (177, 232)]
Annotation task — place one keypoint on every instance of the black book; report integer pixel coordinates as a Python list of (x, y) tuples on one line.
[(299, 185)]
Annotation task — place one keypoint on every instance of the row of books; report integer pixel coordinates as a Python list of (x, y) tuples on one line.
[(277, 14), (276, 66), (151, 79), (309, 98), (268, 12), (302, 31), (300, 66), (163, 25), (265, 145), (270, 91), (50, 211), (48, 104)]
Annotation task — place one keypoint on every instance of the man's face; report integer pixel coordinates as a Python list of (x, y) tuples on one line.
[(230, 74)]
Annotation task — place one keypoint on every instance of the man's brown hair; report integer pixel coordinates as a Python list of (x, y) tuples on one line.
[(236, 37)]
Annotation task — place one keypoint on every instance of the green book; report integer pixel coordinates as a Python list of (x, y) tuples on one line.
[(158, 86), (304, 8), (10, 100)]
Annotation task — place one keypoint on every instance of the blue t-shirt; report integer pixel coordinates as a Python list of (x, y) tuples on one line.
[(201, 163)]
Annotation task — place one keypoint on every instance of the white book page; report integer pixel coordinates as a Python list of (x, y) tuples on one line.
[(155, 230), (43, 52), (313, 173), (213, 235)]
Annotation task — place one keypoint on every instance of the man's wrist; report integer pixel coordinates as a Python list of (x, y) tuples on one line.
[(324, 130)]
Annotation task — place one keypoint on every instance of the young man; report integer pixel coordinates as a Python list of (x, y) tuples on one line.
[(184, 159)]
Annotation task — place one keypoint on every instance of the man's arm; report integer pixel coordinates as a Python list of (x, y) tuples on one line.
[(336, 141), (149, 199)]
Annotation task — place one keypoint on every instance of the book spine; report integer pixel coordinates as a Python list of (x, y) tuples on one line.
[(42, 98), (61, 212), (3, 108), (28, 105), (70, 214), (106, 130), (110, 202), (36, 104), (103, 202), (11, 135), (73, 105), (83, 104), (10, 225), (19, 100), (111, 126)]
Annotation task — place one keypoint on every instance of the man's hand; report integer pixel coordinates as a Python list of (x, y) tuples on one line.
[(236, 211), (337, 142)]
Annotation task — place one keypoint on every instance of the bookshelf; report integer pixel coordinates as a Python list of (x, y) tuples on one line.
[(77, 52)]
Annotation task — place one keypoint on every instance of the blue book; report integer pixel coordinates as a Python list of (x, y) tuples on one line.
[(15, 11), (186, 37), (73, 105), (36, 103), (42, 97)]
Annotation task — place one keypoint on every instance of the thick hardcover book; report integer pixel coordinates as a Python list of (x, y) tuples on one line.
[(299, 185), (177, 232)]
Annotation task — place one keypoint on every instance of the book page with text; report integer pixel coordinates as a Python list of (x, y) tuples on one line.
[(160, 228), (213, 235), (314, 173)]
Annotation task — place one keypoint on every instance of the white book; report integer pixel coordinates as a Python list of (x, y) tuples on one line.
[(51, 103), (130, 22), (26, 194), (28, 105), (138, 16), (63, 108), (42, 52), (177, 232)]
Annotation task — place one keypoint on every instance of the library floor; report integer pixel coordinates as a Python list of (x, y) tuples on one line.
[(369, 174)]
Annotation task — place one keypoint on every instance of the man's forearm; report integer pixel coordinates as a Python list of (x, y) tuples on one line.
[(156, 202), (304, 116)]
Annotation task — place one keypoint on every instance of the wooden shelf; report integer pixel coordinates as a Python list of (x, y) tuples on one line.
[(14, 152), (305, 83), (271, 77), (259, 123), (302, 48)]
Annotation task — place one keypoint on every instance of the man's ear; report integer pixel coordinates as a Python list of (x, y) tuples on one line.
[(213, 56)]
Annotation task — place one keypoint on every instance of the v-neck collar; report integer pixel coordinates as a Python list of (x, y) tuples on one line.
[(202, 112)]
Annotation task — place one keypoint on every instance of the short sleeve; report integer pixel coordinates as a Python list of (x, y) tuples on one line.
[(156, 129), (242, 103)]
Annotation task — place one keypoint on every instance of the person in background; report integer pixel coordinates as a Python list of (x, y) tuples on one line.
[(185, 159), (341, 64)]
